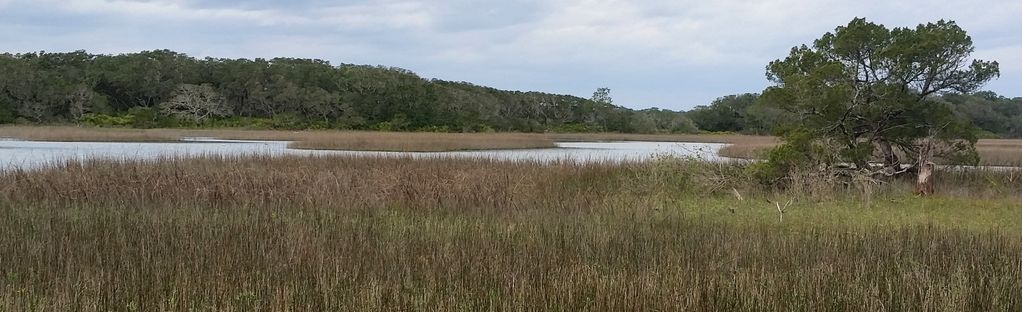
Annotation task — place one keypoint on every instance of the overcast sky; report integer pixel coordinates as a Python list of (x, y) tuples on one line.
[(668, 54)]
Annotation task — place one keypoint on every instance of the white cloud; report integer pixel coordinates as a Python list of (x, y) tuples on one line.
[(387, 14), (406, 14), (1008, 57), (564, 42), (173, 10)]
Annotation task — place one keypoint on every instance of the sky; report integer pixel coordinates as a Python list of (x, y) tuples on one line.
[(668, 54)]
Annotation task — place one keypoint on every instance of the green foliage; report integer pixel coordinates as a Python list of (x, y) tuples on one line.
[(799, 153), (256, 123), (997, 116), (602, 96), (572, 128), (435, 129), (104, 120), (740, 113), (288, 93), (288, 121), (147, 118), (480, 128), (7, 114), (725, 114), (865, 86)]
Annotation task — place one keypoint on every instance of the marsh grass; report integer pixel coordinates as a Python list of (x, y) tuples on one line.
[(749, 148), (422, 142), (992, 152), (79, 134), (690, 138), (365, 234), (315, 139), (1000, 152)]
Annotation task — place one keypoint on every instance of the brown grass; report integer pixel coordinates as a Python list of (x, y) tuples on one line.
[(992, 152), (364, 234), (88, 134), (749, 148), (1000, 152), (691, 138), (422, 142), (322, 139)]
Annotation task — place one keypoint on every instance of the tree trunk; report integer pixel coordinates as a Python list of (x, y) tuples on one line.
[(926, 167), (891, 162)]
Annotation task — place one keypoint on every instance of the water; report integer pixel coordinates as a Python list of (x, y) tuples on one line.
[(30, 154)]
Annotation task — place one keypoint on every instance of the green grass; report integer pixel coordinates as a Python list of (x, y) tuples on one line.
[(363, 234), (893, 211)]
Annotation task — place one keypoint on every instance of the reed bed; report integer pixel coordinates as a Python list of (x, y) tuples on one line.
[(423, 142), (94, 134), (80, 134), (992, 152), (371, 234), (749, 149), (690, 138), (314, 139), (1000, 152)]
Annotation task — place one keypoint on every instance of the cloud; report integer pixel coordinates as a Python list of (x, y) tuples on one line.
[(1008, 57), (169, 10), (652, 53), (401, 15)]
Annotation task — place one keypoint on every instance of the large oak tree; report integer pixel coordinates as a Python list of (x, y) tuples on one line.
[(869, 93)]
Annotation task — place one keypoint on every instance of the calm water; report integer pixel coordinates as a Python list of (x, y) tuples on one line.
[(27, 154)]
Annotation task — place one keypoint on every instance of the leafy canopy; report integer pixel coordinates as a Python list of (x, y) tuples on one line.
[(865, 87)]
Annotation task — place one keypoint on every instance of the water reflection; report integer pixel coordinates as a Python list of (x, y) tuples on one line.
[(30, 154)]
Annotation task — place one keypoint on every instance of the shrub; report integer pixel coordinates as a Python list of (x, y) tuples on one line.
[(798, 154), (104, 120), (573, 128), (145, 118), (288, 121)]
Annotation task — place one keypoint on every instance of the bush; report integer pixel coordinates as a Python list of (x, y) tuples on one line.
[(241, 122), (7, 114), (481, 128), (145, 118), (435, 129), (288, 121), (573, 128), (104, 120), (800, 153)]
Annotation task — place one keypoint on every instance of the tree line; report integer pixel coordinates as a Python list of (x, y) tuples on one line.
[(991, 115), (168, 89)]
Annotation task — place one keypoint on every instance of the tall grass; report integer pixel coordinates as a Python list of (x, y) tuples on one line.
[(423, 142), (1000, 152), (691, 138), (992, 152), (79, 134), (364, 234), (749, 149), (316, 139)]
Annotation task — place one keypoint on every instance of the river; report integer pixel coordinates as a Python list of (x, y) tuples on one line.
[(16, 154)]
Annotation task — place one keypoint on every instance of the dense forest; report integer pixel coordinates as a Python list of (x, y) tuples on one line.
[(168, 89), (994, 116)]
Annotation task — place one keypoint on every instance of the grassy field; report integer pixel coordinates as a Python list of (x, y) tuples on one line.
[(95, 134), (692, 138), (364, 234), (354, 140), (421, 142), (324, 139), (992, 152)]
